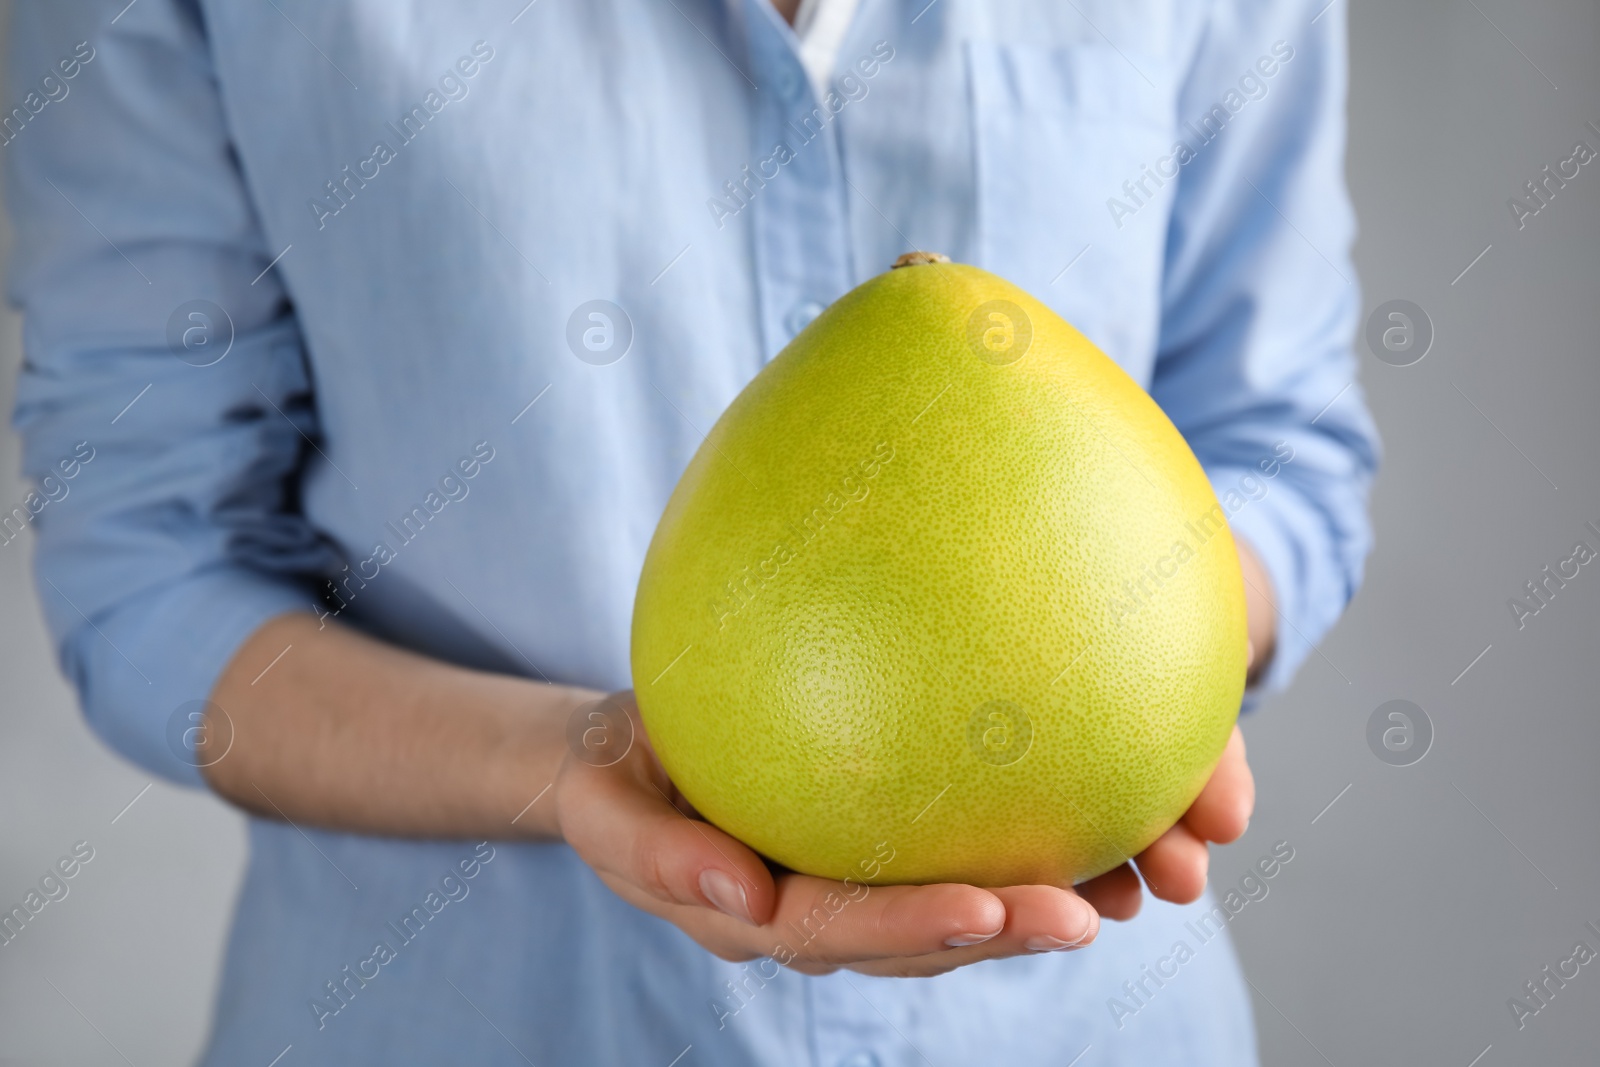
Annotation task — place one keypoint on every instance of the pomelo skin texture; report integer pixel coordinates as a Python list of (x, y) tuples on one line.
[(942, 584)]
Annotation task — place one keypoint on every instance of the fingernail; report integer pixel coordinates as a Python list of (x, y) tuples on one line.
[(963, 940), (1046, 943), (725, 894)]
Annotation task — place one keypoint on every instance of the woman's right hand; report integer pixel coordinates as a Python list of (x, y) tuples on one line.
[(628, 823)]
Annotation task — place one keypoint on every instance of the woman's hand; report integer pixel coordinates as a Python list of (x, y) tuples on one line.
[(628, 822)]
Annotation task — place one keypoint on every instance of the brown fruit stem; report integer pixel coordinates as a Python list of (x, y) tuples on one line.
[(917, 259)]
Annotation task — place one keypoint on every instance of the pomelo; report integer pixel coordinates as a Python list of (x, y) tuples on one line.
[(942, 584)]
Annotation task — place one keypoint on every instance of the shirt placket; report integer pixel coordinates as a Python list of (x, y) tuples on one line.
[(795, 187)]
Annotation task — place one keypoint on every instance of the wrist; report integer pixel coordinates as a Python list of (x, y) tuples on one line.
[(522, 773), (1261, 611)]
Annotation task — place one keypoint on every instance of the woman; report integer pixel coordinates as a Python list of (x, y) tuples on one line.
[(392, 330)]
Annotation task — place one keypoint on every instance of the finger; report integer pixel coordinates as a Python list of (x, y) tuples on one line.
[(1115, 894), (815, 970), (1039, 919), (1175, 866), (830, 923), (819, 925), (1043, 918), (620, 820), (1222, 810), (725, 937)]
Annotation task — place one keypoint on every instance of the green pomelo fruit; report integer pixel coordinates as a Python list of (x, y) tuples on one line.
[(943, 584)]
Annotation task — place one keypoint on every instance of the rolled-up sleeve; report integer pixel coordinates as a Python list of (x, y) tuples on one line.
[(1260, 306), (157, 344)]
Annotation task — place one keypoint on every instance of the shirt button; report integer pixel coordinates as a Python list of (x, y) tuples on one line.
[(787, 82), (800, 316), (860, 1058)]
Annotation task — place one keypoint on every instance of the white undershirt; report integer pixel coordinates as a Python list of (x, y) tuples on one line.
[(821, 26)]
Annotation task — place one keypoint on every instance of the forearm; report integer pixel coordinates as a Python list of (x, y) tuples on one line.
[(347, 733)]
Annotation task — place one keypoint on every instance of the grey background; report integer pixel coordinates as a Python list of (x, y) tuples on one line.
[(1420, 900)]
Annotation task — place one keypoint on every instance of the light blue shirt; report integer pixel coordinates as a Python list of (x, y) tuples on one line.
[(314, 285)]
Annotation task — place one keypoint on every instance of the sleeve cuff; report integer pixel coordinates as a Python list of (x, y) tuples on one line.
[(144, 670)]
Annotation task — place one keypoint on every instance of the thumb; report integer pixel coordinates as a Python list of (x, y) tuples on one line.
[(621, 822)]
